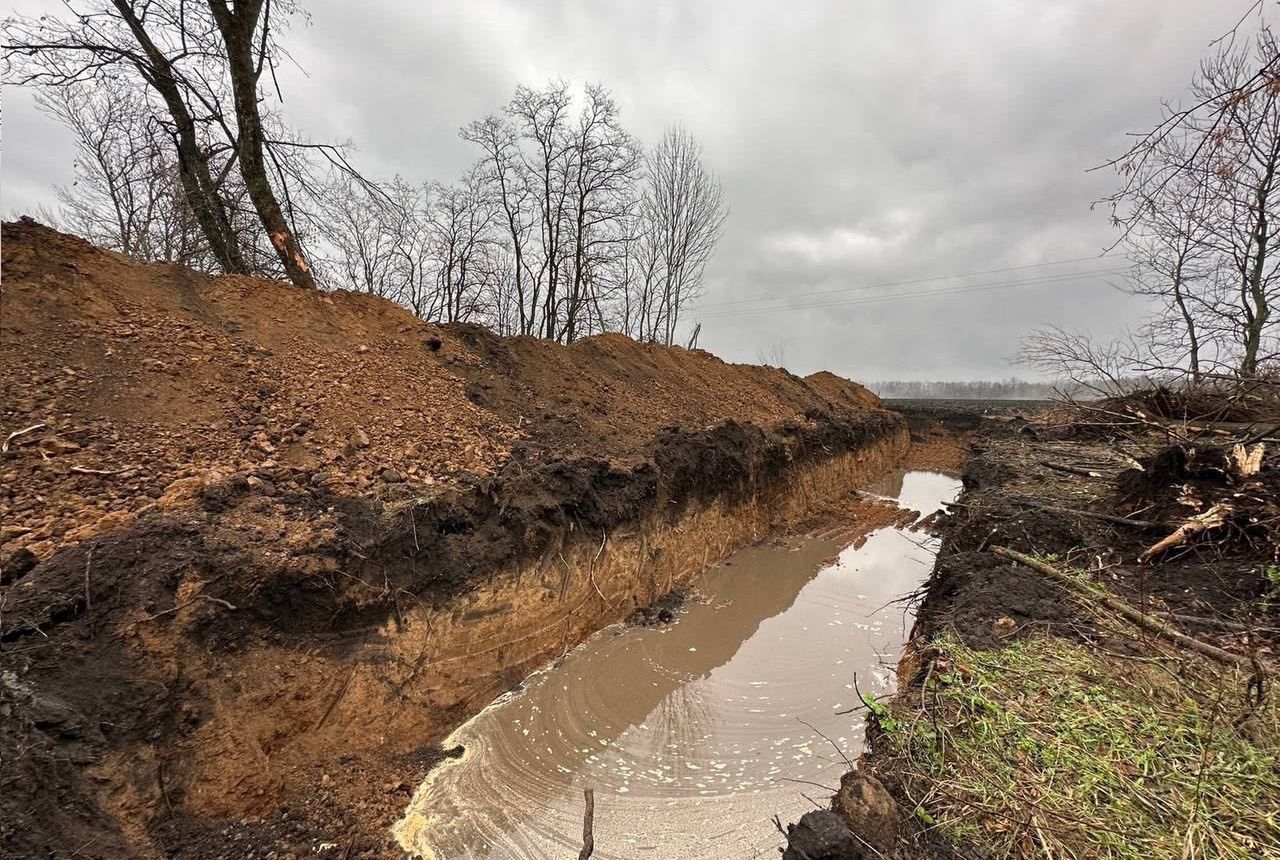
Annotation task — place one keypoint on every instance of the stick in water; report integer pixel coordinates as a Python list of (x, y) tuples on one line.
[(588, 820)]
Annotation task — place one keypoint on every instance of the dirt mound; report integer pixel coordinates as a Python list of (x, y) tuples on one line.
[(842, 391), (226, 500), (139, 385)]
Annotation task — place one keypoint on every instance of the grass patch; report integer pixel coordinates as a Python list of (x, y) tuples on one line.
[(1045, 749)]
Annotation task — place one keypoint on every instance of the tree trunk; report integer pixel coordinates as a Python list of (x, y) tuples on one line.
[(1188, 322), (1259, 308), (198, 186), (238, 28)]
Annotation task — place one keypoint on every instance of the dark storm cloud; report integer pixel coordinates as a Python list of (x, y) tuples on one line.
[(859, 143)]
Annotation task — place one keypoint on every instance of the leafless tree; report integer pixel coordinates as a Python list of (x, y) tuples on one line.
[(125, 194), (1198, 207), (245, 27), (542, 117), (462, 218), (682, 213), (1074, 358), (504, 168), (773, 355), (603, 163), (192, 58), (1174, 260), (562, 228), (1243, 159), (358, 229)]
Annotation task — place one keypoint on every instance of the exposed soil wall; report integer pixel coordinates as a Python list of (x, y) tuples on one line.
[(247, 590)]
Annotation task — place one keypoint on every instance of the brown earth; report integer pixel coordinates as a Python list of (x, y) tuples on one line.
[(258, 542), (1017, 495), (145, 375)]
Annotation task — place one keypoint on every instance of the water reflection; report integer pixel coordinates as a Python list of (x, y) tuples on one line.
[(693, 736)]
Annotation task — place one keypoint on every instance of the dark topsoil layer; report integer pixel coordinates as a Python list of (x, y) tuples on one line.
[(78, 690), (1012, 498)]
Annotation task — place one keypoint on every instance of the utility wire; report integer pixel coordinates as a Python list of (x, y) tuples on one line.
[(738, 302), (943, 291)]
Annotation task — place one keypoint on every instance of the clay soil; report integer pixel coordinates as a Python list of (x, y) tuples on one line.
[(1014, 498), (205, 483)]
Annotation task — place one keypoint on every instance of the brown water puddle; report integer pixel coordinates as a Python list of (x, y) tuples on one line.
[(695, 735)]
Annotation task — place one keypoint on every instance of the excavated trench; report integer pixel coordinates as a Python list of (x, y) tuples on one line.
[(306, 649), (692, 735)]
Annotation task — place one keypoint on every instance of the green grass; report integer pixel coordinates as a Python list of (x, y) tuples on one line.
[(1046, 749)]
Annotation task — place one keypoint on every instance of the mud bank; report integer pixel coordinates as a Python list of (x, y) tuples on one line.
[(1034, 721), (267, 666)]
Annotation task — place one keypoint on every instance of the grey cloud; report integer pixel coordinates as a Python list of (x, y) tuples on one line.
[(859, 143)]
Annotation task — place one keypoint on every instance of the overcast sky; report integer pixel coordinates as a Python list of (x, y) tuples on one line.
[(859, 143)]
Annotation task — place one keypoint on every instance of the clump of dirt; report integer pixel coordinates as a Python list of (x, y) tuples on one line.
[(1222, 495), (661, 611), (223, 487)]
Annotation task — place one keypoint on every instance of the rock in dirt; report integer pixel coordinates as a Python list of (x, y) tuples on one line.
[(823, 835), (868, 808)]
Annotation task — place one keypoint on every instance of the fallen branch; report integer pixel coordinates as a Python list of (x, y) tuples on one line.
[(1220, 623), (186, 603), (1071, 470), (1147, 622), (588, 824), (4, 449), (84, 470), (1106, 518), (1213, 518)]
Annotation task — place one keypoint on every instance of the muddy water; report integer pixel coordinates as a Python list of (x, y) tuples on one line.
[(695, 735)]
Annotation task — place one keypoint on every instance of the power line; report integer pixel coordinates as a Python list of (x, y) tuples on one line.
[(737, 302), (943, 291)]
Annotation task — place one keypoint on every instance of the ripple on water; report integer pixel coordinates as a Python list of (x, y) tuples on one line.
[(695, 735)]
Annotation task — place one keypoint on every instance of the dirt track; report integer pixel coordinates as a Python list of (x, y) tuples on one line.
[(267, 546)]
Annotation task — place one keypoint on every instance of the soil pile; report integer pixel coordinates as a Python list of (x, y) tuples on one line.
[(223, 496), (143, 383)]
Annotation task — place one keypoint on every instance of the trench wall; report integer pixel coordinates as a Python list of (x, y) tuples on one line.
[(430, 668)]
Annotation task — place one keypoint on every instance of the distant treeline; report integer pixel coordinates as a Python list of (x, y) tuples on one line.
[(982, 389)]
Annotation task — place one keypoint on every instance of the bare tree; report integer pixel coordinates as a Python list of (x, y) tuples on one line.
[(191, 57), (504, 168), (1103, 368), (126, 194), (462, 217), (542, 118), (603, 163), (684, 210), (245, 27), (103, 41), (1243, 157), (1174, 261), (556, 231), (1198, 207)]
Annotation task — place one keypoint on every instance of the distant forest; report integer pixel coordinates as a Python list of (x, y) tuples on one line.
[(982, 389)]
